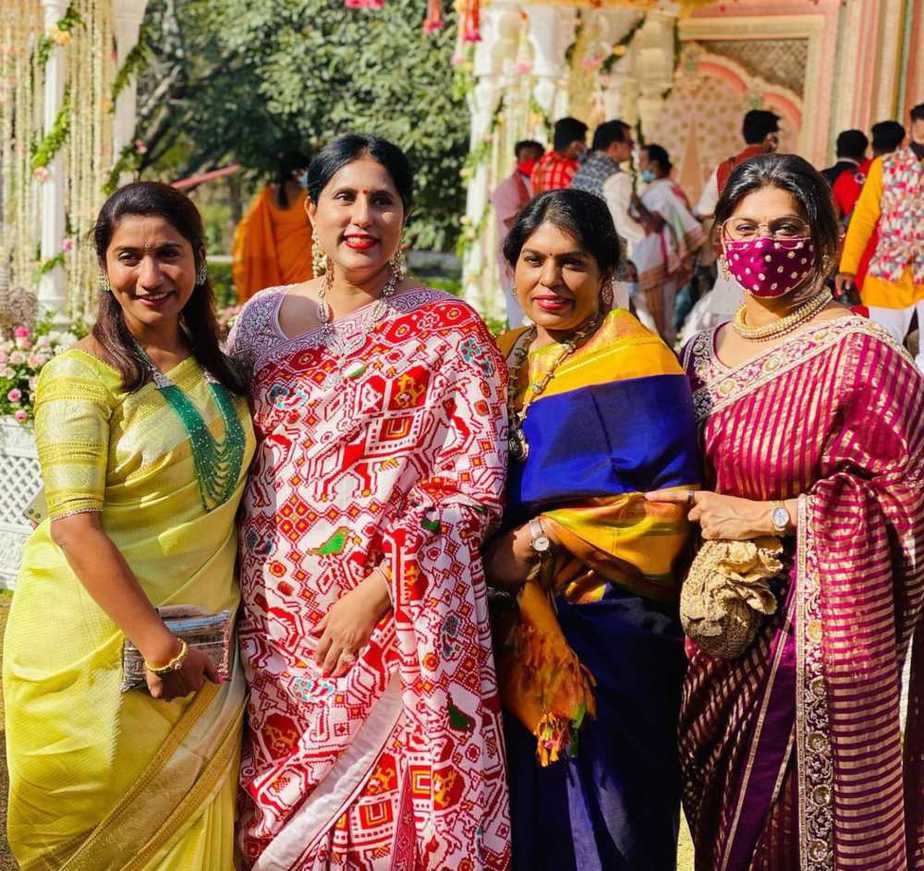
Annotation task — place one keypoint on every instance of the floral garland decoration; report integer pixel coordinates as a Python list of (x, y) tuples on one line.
[(129, 160), (60, 34), (44, 152), (621, 46), (134, 62)]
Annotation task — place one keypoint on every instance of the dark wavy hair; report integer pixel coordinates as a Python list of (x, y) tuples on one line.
[(337, 154), (198, 315), (791, 173), (582, 215)]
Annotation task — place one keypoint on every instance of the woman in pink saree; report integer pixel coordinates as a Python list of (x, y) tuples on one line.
[(812, 430)]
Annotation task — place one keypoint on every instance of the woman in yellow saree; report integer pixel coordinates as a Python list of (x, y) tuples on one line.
[(144, 440)]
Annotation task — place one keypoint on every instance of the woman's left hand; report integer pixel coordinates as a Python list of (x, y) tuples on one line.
[(347, 626), (721, 517)]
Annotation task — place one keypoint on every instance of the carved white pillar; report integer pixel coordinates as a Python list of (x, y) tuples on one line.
[(127, 17), (619, 87), (551, 31), (480, 284), (52, 292), (653, 49)]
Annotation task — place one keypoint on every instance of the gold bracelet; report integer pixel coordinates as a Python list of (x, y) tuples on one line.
[(175, 664)]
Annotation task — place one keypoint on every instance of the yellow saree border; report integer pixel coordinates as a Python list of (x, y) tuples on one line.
[(95, 851), (205, 787)]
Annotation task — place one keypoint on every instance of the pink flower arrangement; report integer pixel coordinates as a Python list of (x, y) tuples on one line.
[(140, 147), (23, 354), (67, 245), (41, 174)]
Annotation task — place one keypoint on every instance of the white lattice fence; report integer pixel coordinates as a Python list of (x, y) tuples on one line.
[(19, 482)]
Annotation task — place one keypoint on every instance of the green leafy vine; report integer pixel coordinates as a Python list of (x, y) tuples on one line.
[(134, 62), (60, 34), (43, 152)]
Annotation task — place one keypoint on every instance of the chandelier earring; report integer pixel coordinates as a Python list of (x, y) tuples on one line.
[(203, 273), (398, 264), (320, 262), (102, 282), (723, 268), (607, 295)]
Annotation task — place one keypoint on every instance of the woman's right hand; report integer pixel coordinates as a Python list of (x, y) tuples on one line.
[(189, 678)]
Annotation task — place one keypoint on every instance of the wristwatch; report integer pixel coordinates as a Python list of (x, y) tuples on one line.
[(540, 542), (780, 518)]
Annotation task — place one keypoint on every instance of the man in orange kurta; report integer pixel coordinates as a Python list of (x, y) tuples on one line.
[(893, 199), (272, 244)]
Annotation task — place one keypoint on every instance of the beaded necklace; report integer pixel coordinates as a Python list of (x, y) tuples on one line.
[(325, 316), (218, 466), (784, 326), (517, 446)]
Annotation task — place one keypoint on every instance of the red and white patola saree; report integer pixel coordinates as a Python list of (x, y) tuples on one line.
[(382, 441)]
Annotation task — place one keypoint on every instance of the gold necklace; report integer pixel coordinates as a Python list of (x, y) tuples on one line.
[(783, 326), (517, 446)]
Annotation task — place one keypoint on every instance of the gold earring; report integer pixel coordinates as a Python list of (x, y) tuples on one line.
[(723, 268), (606, 295), (203, 274), (103, 283), (398, 264), (320, 262)]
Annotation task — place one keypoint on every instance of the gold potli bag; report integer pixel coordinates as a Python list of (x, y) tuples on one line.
[(727, 593)]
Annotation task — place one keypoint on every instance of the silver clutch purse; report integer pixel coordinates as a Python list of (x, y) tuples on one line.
[(213, 633)]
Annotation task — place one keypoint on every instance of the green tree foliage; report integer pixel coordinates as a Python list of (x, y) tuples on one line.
[(245, 80)]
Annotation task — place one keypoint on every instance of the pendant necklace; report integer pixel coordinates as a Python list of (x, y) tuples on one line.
[(339, 347), (517, 445), (218, 464)]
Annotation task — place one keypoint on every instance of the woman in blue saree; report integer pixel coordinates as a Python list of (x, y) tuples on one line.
[(590, 652)]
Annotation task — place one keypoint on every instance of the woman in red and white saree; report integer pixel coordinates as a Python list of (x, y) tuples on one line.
[(374, 732), (792, 752)]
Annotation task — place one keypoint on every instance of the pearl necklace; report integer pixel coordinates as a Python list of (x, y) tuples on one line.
[(517, 446), (783, 326)]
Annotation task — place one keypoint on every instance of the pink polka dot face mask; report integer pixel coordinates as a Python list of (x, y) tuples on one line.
[(768, 267)]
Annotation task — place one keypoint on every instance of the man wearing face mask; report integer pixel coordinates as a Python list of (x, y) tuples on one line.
[(600, 174), (508, 199), (893, 197)]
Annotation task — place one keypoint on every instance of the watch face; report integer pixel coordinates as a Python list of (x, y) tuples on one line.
[(541, 544), (780, 518)]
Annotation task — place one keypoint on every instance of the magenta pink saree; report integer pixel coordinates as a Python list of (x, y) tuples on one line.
[(792, 753)]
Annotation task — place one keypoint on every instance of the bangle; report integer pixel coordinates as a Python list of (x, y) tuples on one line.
[(386, 576), (175, 664)]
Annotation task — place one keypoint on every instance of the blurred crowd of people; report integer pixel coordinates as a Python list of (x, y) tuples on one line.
[(671, 281)]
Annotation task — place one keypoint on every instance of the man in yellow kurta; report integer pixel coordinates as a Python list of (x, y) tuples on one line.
[(893, 196)]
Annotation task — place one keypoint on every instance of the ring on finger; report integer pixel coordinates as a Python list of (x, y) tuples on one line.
[(348, 657)]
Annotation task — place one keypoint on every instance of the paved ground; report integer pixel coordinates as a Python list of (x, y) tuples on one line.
[(7, 863)]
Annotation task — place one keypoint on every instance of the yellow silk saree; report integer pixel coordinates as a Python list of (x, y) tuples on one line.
[(100, 779)]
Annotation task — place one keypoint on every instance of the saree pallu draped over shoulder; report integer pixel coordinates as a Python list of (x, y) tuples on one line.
[(99, 779), (380, 442), (592, 664), (792, 754)]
